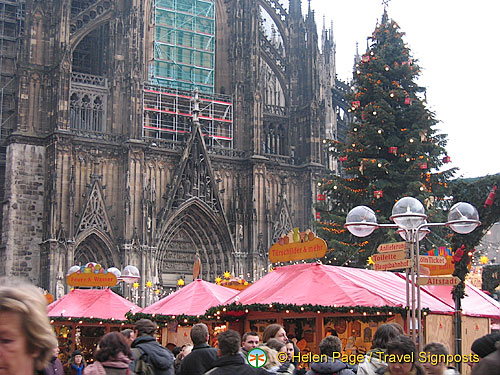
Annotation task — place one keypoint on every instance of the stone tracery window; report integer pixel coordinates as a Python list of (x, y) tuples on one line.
[(87, 111)]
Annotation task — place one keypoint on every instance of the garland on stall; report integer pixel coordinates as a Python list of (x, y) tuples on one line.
[(160, 318), (87, 320), (367, 313)]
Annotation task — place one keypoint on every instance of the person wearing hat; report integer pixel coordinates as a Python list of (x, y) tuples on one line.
[(75, 365), (158, 356), (488, 349)]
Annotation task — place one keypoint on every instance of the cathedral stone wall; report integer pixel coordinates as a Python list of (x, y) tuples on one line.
[(23, 210)]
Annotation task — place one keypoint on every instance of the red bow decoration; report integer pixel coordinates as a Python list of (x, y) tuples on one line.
[(458, 254)]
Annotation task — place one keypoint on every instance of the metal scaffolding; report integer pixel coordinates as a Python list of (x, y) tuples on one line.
[(11, 30), (184, 44), (168, 113)]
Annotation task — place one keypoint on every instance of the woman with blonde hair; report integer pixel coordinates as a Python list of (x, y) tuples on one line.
[(27, 337)]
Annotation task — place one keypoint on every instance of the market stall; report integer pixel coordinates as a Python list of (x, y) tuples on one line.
[(179, 310), (83, 316), (310, 300)]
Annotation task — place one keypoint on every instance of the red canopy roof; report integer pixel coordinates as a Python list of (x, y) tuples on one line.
[(193, 299), (92, 303), (318, 284)]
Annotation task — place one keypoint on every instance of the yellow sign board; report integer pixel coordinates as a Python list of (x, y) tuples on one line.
[(316, 248), (443, 280), (392, 265), (91, 279), (393, 246), (398, 255)]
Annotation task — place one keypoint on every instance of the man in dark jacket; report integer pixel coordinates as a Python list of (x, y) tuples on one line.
[(230, 361), (161, 358), (202, 356), (328, 346), (55, 366)]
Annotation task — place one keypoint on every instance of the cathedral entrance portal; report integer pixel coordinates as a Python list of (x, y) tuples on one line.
[(193, 230), (95, 247)]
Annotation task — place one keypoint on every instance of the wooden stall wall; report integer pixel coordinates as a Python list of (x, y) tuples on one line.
[(440, 328), (472, 329)]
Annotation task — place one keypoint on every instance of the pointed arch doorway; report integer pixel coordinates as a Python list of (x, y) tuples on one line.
[(95, 247), (193, 229)]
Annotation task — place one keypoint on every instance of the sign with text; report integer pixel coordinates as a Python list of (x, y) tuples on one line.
[(432, 260), (444, 280), (91, 279), (392, 265), (393, 246), (316, 248), (398, 255)]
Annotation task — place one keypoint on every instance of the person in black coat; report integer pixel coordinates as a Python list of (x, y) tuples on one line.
[(161, 358), (230, 361), (202, 356)]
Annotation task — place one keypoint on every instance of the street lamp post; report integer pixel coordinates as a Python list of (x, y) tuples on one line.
[(408, 215)]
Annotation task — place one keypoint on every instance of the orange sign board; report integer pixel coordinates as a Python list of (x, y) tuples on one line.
[(393, 246), (432, 260), (444, 269), (91, 279), (316, 248), (443, 280), (392, 265), (389, 256)]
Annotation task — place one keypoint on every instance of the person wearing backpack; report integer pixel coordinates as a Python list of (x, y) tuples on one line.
[(150, 358)]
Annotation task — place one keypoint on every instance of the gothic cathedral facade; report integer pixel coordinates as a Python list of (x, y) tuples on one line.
[(104, 162)]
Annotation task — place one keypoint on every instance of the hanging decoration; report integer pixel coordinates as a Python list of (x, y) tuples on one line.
[(393, 150), (343, 158), (378, 194), (365, 58), (422, 165), (318, 215), (356, 104), (423, 135), (362, 167), (491, 197), (321, 197), (407, 101), (446, 159)]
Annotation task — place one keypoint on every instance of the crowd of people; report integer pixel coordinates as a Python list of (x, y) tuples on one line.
[(28, 346)]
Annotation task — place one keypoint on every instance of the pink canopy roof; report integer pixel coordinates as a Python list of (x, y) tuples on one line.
[(318, 284), (193, 299), (475, 302), (92, 303)]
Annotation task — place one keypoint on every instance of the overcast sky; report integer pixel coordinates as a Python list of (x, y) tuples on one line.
[(457, 45)]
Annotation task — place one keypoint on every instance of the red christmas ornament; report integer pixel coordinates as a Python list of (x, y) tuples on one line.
[(343, 158), (491, 197), (446, 159), (318, 215), (422, 165), (363, 116), (356, 104), (407, 101), (458, 254), (393, 150), (378, 194), (365, 58), (321, 197)]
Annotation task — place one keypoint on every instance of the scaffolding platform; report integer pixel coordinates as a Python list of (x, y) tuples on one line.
[(168, 115)]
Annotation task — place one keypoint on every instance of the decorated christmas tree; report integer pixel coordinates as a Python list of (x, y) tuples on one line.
[(392, 150)]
